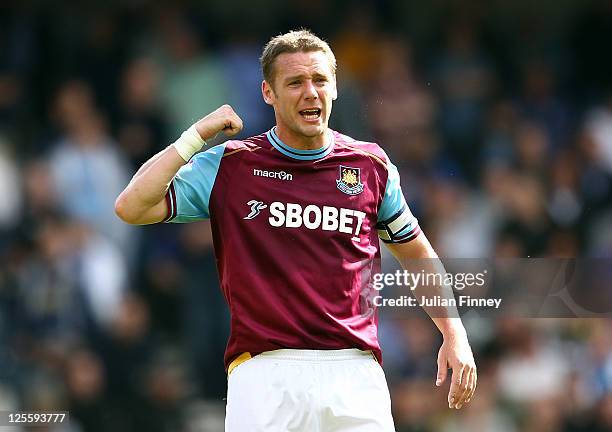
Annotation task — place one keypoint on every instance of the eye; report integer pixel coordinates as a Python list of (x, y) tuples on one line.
[(294, 83)]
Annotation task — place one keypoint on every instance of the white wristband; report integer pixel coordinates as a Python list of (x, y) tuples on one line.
[(189, 143)]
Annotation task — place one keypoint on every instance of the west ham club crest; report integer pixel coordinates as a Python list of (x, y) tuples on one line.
[(349, 180)]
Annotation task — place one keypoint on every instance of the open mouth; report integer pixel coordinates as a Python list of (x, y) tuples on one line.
[(311, 113)]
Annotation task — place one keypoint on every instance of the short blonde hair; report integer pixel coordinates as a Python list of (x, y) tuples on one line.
[(295, 41)]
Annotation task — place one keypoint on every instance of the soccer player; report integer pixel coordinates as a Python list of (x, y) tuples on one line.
[(296, 215)]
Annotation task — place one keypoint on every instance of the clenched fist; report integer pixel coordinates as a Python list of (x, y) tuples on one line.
[(223, 119)]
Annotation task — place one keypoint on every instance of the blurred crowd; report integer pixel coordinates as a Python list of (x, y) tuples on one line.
[(497, 114)]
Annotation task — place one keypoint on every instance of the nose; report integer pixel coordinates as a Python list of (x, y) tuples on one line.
[(310, 91)]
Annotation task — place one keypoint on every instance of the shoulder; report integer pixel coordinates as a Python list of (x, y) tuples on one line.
[(228, 148), (250, 144), (368, 149)]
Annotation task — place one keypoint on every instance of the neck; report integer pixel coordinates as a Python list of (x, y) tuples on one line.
[(302, 142)]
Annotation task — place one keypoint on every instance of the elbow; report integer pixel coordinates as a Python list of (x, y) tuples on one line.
[(122, 210)]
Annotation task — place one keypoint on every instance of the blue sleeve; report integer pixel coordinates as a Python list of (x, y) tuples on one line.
[(189, 192), (396, 224)]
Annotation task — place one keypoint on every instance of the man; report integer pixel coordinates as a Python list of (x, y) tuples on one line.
[(296, 214)]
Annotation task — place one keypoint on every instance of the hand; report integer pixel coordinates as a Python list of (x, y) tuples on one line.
[(223, 119), (456, 354)]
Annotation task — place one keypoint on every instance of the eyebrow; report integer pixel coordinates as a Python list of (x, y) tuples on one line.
[(301, 76)]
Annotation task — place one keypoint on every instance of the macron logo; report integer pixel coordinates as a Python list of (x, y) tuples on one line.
[(281, 175)]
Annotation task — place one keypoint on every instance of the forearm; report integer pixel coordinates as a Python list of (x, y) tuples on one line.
[(443, 313), (419, 257), (148, 164), (450, 327), (149, 185)]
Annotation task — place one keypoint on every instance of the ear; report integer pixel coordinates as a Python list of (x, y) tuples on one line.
[(335, 90), (267, 92)]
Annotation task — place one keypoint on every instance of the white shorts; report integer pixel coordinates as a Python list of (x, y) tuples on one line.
[(309, 391)]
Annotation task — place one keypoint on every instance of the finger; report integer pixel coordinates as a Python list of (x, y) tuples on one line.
[(442, 369), (474, 382), (472, 386), (239, 122), (230, 131), (232, 127), (466, 386), (236, 123), (454, 392)]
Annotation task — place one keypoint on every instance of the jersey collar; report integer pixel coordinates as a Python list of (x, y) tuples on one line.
[(300, 154)]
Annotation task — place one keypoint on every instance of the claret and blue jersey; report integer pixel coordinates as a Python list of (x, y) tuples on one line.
[(296, 236)]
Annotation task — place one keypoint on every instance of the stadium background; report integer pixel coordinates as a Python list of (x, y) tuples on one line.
[(497, 113)]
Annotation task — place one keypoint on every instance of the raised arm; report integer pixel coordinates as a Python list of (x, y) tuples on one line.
[(455, 353), (143, 199)]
